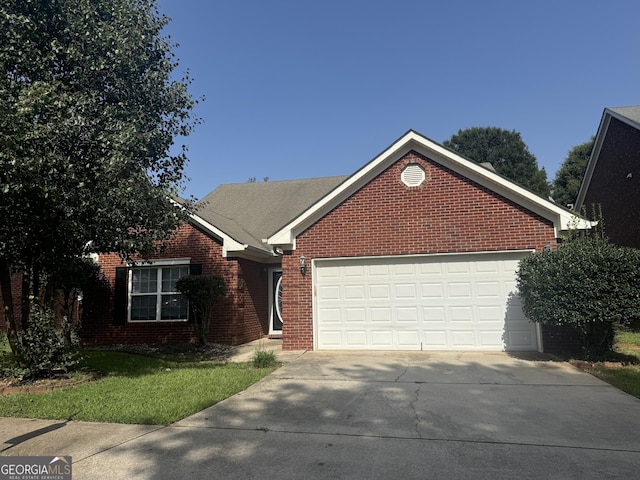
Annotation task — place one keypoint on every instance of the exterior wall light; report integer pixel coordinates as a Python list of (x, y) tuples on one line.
[(303, 265)]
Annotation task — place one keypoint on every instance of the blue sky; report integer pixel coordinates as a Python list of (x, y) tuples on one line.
[(300, 89)]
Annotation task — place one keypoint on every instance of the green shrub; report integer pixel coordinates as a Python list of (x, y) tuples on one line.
[(589, 284), (44, 347), (203, 292)]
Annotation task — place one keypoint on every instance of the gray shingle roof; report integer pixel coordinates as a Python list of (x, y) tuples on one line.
[(249, 212), (632, 112)]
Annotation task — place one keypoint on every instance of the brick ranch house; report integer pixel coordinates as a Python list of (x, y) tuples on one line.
[(416, 250)]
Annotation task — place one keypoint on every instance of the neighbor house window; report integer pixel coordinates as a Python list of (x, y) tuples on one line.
[(153, 296)]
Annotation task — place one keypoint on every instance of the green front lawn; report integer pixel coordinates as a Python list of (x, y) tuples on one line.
[(137, 389), (624, 377)]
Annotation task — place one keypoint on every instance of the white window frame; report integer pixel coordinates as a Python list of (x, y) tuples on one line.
[(158, 265)]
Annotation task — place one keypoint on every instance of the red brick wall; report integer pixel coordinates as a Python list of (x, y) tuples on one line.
[(447, 213), (242, 315), (246, 318)]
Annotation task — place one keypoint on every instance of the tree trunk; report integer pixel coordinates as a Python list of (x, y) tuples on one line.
[(9, 315), (25, 303)]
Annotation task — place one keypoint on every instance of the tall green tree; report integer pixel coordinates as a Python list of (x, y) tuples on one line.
[(89, 109), (507, 153), (566, 183)]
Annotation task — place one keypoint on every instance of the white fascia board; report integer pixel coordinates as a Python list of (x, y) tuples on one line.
[(231, 247), (562, 219), (228, 243), (593, 159)]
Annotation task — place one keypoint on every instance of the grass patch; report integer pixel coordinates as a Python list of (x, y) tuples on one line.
[(137, 389), (625, 376), (264, 359), (628, 338)]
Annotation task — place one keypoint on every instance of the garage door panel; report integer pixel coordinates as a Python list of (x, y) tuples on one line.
[(332, 339), (400, 270), (379, 270), (459, 290), (331, 315), (330, 292), (430, 269), (380, 314), (425, 302), (461, 314), (380, 292), (457, 268), (490, 338), (432, 290), (488, 289), (354, 271), (487, 267), (408, 339), (356, 338), (382, 338), (491, 313), (407, 315), (355, 315), (435, 340), (406, 291), (354, 292), (329, 272), (433, 314), (463, 339)]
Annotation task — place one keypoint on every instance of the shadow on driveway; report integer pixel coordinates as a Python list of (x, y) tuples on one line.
[(395, 415)]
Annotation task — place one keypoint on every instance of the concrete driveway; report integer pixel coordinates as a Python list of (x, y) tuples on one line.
[(380, 415)]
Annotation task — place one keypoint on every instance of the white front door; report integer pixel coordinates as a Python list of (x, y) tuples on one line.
[(428, 302)]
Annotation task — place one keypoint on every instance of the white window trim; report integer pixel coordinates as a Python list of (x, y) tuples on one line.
[(178, 262), (161, 262)]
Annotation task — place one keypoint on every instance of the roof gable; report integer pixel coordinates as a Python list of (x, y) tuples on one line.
[(627, 115), (413, 141)]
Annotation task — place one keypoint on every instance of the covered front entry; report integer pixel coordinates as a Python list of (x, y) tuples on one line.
[(426, 302)]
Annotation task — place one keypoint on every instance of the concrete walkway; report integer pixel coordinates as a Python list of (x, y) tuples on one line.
[(372, 415)]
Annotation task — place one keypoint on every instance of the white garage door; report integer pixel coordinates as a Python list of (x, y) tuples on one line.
[(432, 302)]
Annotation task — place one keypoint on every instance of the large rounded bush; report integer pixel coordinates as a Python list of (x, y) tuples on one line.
[(589, 284)]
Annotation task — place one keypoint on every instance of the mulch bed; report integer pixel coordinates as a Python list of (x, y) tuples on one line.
[(9, 387), (177, 351)]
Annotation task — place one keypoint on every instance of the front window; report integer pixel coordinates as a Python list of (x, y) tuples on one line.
[(153, 294)]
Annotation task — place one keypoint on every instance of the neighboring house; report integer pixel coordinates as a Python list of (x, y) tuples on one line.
[(612, 177), (416, 250)]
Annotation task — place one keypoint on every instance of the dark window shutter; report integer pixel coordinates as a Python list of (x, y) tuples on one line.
[(120, 297), (194, 269)]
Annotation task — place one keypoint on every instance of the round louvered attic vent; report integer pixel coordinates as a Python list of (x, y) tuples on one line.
[(413, 175)]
